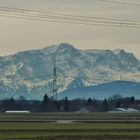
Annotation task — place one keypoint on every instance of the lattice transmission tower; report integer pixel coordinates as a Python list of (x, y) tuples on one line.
[(54, 78)]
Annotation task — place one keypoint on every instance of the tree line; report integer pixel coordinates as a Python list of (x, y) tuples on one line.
[(65, 105)]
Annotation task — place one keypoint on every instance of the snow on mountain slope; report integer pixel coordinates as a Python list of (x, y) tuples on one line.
[(30, 73), (102, 91)]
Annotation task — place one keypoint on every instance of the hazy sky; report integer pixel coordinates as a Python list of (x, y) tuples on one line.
[(19, 34)]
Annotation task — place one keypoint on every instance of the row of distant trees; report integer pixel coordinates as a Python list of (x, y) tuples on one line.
[(66, 105)]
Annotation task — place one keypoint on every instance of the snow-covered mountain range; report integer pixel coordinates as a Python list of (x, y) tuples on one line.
[(30, 73)]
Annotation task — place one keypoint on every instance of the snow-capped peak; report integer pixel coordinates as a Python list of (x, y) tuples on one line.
[(58, 48), (92, 66), (117, 51)]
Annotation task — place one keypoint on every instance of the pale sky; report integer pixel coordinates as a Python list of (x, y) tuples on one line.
[(20, 34)]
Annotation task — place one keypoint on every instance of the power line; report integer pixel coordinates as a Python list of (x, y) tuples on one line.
[(64, 18), (42, 13), (80, 20), (99, 23), (75, 18), (73, 22), (122, 3)]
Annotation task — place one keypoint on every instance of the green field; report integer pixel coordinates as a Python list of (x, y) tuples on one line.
[(71, 116), (40, 129)]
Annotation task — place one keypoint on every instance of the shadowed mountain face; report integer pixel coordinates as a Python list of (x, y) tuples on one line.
[(102, 91), (30, 73)]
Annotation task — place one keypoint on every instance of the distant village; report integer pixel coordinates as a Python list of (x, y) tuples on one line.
[(113, 104)]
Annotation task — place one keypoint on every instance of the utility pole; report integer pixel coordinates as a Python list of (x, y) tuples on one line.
[(54, 78)]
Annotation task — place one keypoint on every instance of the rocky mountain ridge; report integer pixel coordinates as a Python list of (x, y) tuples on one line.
[(30, 73)]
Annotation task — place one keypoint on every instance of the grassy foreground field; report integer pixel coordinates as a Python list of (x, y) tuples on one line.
[(55, 130)]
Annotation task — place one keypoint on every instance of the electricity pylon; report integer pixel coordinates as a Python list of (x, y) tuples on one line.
[(54, 78)]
